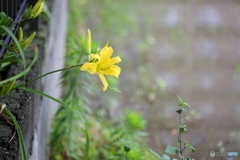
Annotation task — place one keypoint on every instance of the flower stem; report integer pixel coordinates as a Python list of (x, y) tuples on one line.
[(59, 70)]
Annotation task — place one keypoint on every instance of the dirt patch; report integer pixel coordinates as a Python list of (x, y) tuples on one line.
[(21, 104)]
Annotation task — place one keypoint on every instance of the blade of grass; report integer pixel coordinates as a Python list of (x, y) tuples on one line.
[(87, 144), (59, 70), (19, 132), (66, 106), (17, 43), (25, 71), (52, 98)]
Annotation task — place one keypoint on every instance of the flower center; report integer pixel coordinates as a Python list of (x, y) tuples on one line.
[(105, 68)]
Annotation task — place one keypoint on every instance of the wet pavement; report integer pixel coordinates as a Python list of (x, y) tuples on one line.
[(188, 48)]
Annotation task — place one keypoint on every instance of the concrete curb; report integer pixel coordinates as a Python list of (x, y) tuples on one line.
[(53, 60)]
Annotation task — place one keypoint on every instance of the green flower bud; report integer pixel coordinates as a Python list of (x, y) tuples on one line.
[(88, 42), (25, 43), (20, 34), (34, 11)]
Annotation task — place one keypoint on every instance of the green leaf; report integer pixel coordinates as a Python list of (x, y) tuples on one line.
[(182, 130), (20, 135), (123, 140), (87, 143), (3, 44), (187, 117), (23, 73), (181, 103), (172, 150), (4, 21), (186, 104), (155, 154), (188, 145), (8, 59), (179, 98), (114, 157), (166, 157), (18, 45), (7, 87), (182, 126), (127, 149), (193, 150), (181, 110)]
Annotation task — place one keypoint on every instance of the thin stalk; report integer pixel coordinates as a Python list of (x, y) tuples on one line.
[(59, 70), (54, 99), (180, 133)]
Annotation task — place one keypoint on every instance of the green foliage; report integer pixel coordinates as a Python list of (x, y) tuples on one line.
[(182, 104), (7, 87), (4, 21), (6, 24), (182, 128), (172, 150), (23, 73), (135, 120), (127, 149)]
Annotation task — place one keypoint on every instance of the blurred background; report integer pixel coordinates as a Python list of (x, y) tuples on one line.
[(187, 48)]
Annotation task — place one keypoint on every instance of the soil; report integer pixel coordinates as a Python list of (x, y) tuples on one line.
[(20, 103)]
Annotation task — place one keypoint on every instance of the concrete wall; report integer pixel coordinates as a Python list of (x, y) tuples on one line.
[(53, 60)]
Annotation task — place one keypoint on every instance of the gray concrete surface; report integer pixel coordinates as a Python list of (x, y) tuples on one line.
[(53, 60)]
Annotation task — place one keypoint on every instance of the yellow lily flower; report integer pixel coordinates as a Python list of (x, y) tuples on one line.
[(102, 64)]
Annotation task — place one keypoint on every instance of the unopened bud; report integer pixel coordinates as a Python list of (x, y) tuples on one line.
[(88, 42)]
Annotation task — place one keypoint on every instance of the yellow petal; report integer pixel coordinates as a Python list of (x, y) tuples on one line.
[(114, 60), (113, 71), (104, 81), (106, 53), (90, 67), (95, 56)]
